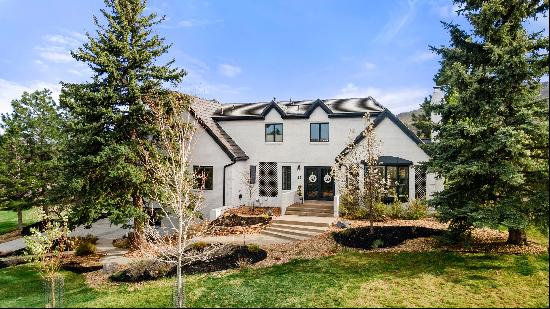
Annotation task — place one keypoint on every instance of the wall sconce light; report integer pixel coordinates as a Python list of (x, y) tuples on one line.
[(298, 166)]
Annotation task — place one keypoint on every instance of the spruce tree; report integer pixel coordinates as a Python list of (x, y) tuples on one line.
[(110, 121), (30, 149), (421, 120), (492, 141)]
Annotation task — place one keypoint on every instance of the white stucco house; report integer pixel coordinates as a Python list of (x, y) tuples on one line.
[(284, 145)]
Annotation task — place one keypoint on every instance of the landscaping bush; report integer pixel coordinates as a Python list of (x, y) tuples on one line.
[(416, 209), (199, 245), (85, 248), (395, 210)]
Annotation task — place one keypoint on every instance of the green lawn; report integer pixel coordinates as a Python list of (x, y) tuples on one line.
[(8, 219), (349, 279)]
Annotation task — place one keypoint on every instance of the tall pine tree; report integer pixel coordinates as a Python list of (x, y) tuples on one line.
[(30, 150), (492, 141), (109, 119)]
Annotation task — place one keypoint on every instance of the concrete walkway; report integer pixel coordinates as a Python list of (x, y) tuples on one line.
[(102, 229)]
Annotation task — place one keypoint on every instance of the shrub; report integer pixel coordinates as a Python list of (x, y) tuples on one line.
[(199, 245), (416, 209), (85, 248), (395, 210), (253, 248)]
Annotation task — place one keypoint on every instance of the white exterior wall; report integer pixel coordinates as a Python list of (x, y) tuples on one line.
[(208, 153), (296, 149)]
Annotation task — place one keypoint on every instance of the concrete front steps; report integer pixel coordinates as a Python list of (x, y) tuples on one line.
[(297, 227), (314, 209)]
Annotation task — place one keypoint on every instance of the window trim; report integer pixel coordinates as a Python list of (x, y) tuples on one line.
[(384, 175), (319, 123), (196, 167), (273, 124), (289, 169)]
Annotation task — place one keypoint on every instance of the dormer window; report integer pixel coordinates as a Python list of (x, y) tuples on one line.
[(274, 132), (318, 132)]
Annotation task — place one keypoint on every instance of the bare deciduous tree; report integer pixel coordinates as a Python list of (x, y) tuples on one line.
[(249, 185), (177, 190), (348, 169)]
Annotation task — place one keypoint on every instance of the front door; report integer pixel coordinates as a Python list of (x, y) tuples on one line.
[(319, 184)]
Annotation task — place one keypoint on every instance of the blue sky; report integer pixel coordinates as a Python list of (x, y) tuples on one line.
[(249, 50)]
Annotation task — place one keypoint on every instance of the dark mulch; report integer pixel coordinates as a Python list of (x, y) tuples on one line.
[(81, 268), (229, 220), (13, 260), (225, 257), (383, 236), (40, 225)]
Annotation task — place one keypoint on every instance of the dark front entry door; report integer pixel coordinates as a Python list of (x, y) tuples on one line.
[(319, 184)]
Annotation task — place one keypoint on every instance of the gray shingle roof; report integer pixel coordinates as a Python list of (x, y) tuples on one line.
[(303, 108), (203, 110)]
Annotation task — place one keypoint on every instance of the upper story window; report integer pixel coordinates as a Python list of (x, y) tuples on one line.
[(204, 177), (318, 132), (274, 132)]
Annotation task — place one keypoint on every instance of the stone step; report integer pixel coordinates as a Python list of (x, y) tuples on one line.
[(311, 210), (282, 236), (313, 229), (290, 232), (311, 207), (301, 223), (309, 213)]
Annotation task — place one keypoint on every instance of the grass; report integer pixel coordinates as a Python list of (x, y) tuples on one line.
[(8, 219), (349, 279)]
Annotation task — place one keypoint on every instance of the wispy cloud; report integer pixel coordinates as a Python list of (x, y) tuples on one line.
[(55, 49), (397, 100), (10, 90), (397, 21), (229, 70), (189, 23), (422, 56)]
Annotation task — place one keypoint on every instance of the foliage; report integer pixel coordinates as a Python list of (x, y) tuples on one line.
[(46, 249), (109, 119), (492, 141), (416, 209), (85, 248), (422, 120), (355, 184), (29, 152)]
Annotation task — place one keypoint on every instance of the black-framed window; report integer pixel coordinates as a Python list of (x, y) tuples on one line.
[(252, 174), (287, 178), (274, 132), (318, 132), (397, 177), (204, 177)]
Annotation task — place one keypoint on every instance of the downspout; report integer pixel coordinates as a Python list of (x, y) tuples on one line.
[(233, 162)]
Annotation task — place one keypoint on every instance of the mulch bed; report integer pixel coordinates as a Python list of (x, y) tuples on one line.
[(82, 264), (221, 258), (243, 220), (10, 236), (382, 236)]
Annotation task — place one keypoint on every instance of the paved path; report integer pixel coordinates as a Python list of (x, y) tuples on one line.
[(102, 229), (12, 245)]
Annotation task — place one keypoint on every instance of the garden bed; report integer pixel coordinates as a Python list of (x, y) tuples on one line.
[(221, 258), (382, 237), (243, 220)]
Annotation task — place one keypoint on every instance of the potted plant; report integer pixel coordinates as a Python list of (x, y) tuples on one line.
[(299, 193)]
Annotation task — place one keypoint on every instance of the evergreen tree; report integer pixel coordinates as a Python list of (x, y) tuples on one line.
[(422, 119), (109, 119), (492, 141), (29, 153)]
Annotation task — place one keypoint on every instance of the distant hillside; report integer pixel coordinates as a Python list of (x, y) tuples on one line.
[(406, 118)]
